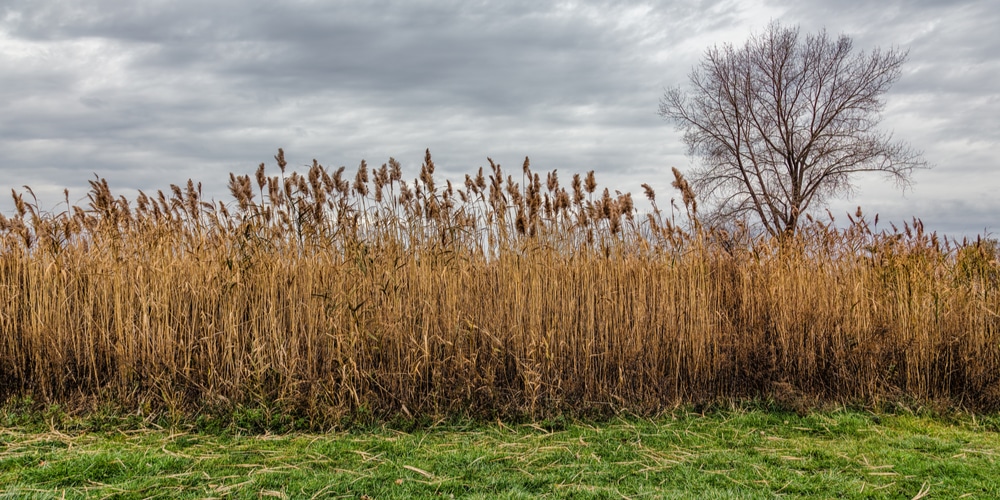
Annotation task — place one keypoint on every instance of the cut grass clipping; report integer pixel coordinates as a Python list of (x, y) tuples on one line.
[(722, 455)]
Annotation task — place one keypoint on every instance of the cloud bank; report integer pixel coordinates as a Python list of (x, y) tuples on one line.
[(152, 93)]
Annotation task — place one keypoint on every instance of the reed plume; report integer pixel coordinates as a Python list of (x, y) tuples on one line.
[(328, 298)]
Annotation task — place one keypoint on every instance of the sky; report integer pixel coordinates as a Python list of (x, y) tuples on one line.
[(148, 94)]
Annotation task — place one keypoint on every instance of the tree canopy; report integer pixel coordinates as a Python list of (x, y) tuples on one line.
[(783, 123)]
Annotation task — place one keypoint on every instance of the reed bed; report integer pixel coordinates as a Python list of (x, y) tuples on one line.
[(508, 295)]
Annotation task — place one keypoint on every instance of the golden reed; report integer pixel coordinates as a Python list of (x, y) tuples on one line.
[(506, 295)]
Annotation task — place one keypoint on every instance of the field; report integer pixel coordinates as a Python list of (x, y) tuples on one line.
[(748, 453), (330, 300)]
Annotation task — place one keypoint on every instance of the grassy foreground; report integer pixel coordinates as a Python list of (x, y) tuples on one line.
[(729, 454)]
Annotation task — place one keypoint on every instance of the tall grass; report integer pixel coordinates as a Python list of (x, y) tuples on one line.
[(511, 294)]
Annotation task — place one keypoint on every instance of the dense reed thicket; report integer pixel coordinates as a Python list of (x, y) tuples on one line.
[(509, 295)]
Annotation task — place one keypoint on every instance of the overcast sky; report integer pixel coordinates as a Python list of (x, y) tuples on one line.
[(151, 93)]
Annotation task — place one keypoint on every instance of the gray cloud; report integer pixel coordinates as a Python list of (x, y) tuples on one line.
[(151, 93)]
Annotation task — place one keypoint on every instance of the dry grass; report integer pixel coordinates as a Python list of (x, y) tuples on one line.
[(327, 295)]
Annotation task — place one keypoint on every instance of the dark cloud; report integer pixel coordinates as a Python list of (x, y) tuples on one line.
[(151, 93)]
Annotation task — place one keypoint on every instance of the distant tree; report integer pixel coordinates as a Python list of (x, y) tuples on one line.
[(781, 124)]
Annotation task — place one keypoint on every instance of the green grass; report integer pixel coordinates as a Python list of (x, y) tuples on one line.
[(726, 454)]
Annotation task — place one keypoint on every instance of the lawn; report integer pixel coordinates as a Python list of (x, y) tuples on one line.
[(724, 454)]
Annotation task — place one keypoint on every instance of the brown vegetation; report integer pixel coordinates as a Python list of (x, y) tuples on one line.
[(510, 295)]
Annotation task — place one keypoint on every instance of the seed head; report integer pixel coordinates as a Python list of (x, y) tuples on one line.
[(650, 194), (261, 179), (280, 158), (395, 171), (591, 182), (361, 179)]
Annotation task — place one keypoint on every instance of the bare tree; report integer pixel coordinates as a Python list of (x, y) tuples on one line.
[(782, 124)]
